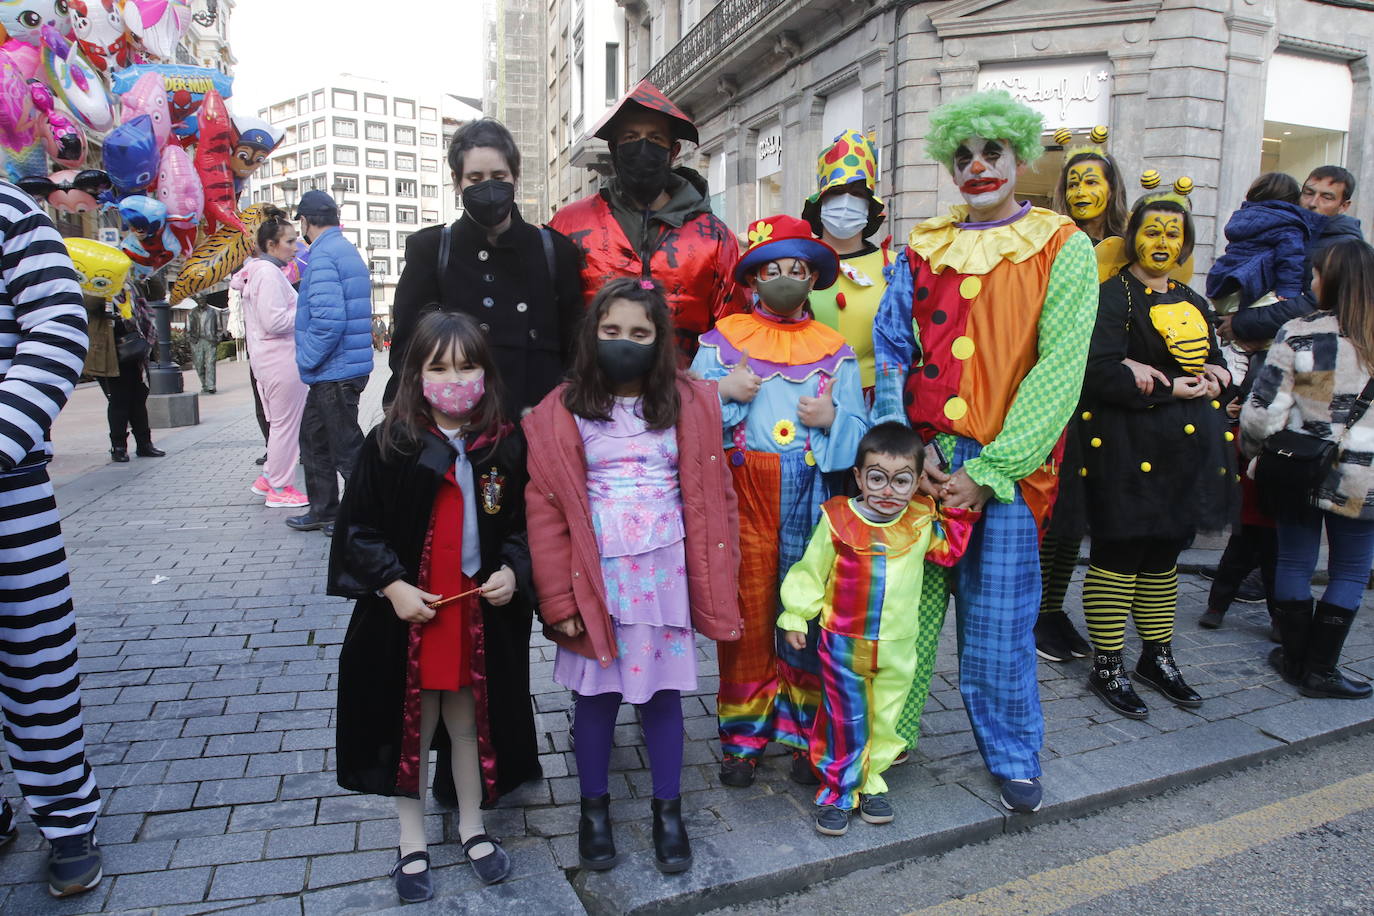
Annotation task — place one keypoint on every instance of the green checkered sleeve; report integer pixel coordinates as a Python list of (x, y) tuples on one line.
[(1050, 391)]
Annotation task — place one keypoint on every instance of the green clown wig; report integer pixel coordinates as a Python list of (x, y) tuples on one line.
[(993, 115)]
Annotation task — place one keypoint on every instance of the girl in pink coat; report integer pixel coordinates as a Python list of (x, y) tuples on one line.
[(269, 317)]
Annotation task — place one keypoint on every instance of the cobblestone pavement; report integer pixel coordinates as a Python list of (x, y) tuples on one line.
[(209, 652)]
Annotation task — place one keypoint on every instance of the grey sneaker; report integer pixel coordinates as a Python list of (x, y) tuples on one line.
[(73, 864), (875, 809), (832, 821)]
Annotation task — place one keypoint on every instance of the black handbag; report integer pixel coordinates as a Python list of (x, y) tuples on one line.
[(130, 344), (1293, 464)]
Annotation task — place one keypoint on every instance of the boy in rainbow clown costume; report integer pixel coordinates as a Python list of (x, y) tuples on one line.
[(861, 575), (792, 409), (980, 344)]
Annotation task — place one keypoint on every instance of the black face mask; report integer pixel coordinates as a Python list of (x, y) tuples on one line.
[(624, 360), (643, 169), (489, 202)]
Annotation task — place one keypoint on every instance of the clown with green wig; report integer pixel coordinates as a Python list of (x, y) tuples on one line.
[(844, 212), (980, 344)]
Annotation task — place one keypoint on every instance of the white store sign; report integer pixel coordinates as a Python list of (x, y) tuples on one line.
[(1068, 93), (770, 151)]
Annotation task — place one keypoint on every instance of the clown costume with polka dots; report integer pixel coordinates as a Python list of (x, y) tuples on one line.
[(793, 409), (980, 344)]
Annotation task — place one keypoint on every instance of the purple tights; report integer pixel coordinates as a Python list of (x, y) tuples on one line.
[(661, 720)]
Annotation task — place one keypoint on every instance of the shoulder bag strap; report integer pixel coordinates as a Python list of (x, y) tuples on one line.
[(1357, 410), (546, 237), (445, 241)]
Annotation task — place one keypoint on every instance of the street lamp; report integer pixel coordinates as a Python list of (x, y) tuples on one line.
[(289, 187), (339, 189)]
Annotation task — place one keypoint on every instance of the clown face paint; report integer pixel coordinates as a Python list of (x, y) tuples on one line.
[(985, 171), (1159, 241), (1086, 190), (887, 482)]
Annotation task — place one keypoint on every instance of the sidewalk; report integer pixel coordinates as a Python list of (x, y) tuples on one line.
[(209, 710)]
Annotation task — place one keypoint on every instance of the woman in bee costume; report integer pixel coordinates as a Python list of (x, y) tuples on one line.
[(1158, 460)]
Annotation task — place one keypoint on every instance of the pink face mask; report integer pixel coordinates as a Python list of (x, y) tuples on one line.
[(455, 399)]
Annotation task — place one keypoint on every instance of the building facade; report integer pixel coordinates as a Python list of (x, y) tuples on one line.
[(586, 76), (514, 91), (381, 151), (1218, 90)]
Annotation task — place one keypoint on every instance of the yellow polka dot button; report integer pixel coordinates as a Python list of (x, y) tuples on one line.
[(1146, 467), (1082, 472), (962, 348), (1087, 415), (1230, 436), (1216, 405), (956, 408), (1190, 429), (970, 287), (1095, 442)]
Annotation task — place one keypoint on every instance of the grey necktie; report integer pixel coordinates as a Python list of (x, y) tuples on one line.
[(462, 471)]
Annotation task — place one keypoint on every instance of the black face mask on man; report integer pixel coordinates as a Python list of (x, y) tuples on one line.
[(643, 169), (489, 202), (624, 360)]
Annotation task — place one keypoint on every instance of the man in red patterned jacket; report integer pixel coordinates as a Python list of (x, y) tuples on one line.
[(653, 221)]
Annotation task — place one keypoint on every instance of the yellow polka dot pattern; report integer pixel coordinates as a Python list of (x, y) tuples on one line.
[(1230, 436), (962, 348), (1146, 467), (956, 408), (970, 287), (1189, 429), (1087, 415), (1095, 442)]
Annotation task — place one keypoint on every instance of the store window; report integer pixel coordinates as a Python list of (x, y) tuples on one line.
[(1306, 114), (768, 187)]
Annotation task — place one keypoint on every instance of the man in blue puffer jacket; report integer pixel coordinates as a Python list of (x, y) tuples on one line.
[(333, 354)]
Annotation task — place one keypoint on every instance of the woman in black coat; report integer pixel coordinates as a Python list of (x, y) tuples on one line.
[(521, 283), (1158, 462)]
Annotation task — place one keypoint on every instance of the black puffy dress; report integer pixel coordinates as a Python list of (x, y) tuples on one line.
[(1156, 466), (380, 536)]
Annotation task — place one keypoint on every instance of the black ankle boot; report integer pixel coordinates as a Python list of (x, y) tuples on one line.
[(1293, 619), (148, 450), (672, 849), (1321, 678), (1107, 678), (1156, 668), (119, 453), (595, 845)]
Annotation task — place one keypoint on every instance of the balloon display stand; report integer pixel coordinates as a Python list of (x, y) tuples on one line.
[(169, 410)]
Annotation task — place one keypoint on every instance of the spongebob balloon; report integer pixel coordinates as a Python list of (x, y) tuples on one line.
[(100, 269)]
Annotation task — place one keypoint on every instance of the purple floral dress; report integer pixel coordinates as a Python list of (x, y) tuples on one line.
[(632, 485)]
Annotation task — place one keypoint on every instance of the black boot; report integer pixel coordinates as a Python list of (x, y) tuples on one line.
[(672, 850), (595, 845), (1293, 619), (1321, 678), (1156, 668), (119, 448), (148, 450), (1107, 678)]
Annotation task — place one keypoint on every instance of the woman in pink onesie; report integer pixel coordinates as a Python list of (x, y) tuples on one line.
[(269, 316)]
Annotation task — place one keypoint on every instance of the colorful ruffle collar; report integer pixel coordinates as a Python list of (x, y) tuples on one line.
[(943, 242), (792, 349)]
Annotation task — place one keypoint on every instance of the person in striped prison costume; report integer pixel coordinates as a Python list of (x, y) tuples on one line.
[(42, 346)]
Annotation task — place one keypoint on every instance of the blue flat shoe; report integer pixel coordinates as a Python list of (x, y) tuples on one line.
[(492, 867), (415, 888)]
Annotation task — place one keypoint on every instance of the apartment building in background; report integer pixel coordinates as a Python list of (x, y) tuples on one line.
[(381, 151), (1219, 91), (514, 45), (586, 75)]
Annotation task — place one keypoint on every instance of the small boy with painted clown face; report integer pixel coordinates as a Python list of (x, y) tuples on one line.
[(979, 345), (792, 408), (861, 576)]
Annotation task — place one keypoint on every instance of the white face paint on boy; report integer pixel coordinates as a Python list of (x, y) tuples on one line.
[(985, 172)]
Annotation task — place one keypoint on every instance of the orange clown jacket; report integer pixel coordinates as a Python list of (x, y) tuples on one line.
[(983, 333)]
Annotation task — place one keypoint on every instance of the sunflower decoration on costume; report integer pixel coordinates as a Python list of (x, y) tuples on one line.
[(760, 233), (784, 432)]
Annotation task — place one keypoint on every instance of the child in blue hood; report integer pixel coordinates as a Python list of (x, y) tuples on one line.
[(1266, 250)]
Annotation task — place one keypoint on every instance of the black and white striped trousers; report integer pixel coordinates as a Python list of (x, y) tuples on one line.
[(40, 694)]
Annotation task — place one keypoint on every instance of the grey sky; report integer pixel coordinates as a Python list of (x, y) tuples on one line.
[(286, 46)]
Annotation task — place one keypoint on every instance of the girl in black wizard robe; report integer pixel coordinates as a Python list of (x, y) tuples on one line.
[(430, 540)]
